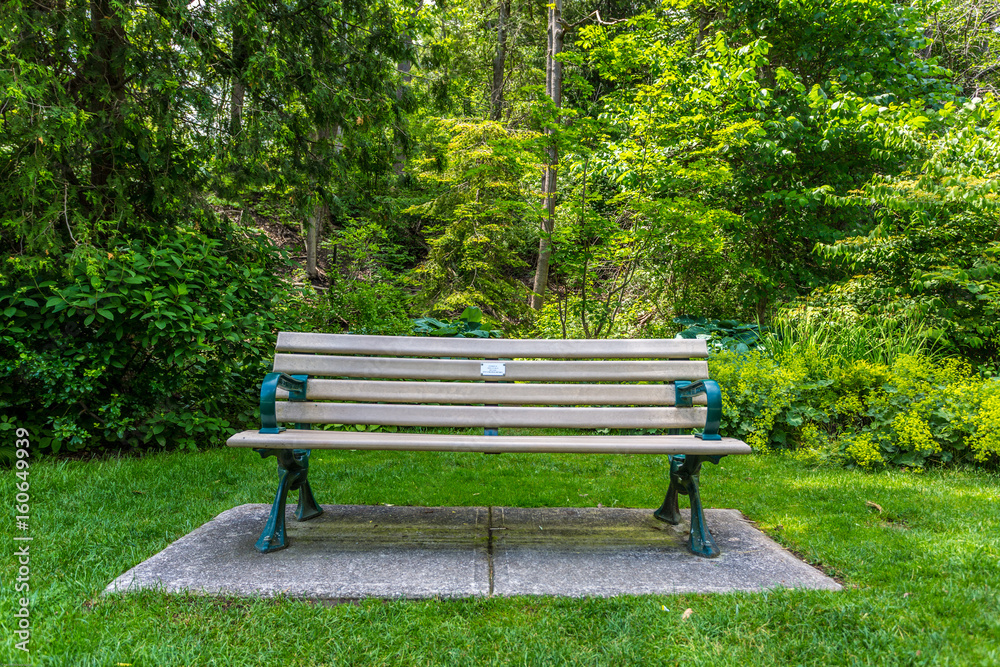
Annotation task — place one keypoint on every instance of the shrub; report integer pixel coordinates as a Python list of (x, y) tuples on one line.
[(367, 297), (469, 324), (739, 337), (376, 308), (913, 412), (480, 221), (146, 344)]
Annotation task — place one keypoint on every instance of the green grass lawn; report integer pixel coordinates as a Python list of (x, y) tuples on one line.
[(921, 578)]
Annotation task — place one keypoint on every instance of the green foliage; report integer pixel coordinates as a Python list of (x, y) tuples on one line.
[(320, 118), (115, 126), (934, 256), (481, 220), (866, 46), (723, 334), (966, 40), (619, 247), (913, 412), (453, 55), (146, 345), (89, 147), (843, 332), (367, 296), (468, 325), (565, 313), (374, 308), (596, 263), (753, 115)]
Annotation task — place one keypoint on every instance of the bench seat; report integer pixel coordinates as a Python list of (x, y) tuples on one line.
[(490, 444), (460, 383)]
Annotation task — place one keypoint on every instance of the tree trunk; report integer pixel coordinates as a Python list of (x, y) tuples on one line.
[(240, 57), (404, 69), (106, 91), (553, 87), (321, 211), (499, 61), (312, 238), (236, 108)]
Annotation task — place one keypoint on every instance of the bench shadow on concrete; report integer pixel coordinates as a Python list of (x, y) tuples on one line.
[(360, 551)]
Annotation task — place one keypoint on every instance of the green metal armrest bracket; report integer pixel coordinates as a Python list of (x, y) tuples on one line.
[(685, 391), (296, 387)]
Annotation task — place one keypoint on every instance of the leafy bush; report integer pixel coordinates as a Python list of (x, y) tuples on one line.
[(722, 334), (375, 308), (469, 325), (144, 345), (934, 255), (913, 412), (367, 297)]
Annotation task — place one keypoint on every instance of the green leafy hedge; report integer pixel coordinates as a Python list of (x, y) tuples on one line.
[(914, 412), (143, 345)]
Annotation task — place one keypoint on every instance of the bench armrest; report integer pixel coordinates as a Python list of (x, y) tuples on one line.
[(296, 387), (685, 391)]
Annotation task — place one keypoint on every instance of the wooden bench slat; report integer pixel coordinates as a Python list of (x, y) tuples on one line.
[(492, 348), (462, 369), (642, 444), (490, 392), (470, 416)]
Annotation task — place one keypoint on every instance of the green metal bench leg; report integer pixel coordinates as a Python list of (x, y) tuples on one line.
[(684, 479), (293, 470), (273, 537), (308, 508), (701, 540), (669, 511)]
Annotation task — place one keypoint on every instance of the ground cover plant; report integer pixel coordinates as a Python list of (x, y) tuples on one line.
[(911, 410), (918, 554)]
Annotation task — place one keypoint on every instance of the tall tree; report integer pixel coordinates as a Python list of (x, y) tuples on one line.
[(752, 115), (104, 83), (241, 57), (553, 89), (113, 127), (500, 61)]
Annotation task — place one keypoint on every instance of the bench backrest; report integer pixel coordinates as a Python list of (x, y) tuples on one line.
[(457, 382)]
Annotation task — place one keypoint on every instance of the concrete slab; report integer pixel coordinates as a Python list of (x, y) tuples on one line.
[(358, 551), (604, 552), (349, 551)]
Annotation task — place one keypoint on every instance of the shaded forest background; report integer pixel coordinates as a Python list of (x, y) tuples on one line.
[(182, 180)]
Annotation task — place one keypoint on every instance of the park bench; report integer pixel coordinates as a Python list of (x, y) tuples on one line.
[(461, 383)]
